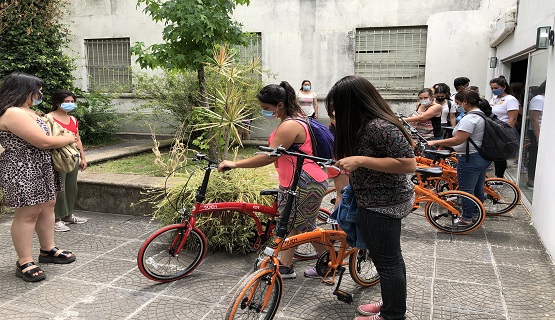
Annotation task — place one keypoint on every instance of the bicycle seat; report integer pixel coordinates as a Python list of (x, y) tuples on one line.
[(430, 171), (439, 153), (269, 192)]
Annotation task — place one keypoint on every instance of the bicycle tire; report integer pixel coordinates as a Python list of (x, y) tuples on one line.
[(247, 300), (328, 201), (507, 191), (157, 261), (362, 268), (306, 251), (444, 220)]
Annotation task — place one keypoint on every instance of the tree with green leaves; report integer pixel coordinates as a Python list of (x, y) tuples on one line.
[(192, 28), (32, 38)]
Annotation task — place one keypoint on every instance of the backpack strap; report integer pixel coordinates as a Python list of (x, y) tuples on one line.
[(310, 132), (483, 116)]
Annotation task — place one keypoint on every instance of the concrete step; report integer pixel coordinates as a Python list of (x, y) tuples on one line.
[(118, 193)]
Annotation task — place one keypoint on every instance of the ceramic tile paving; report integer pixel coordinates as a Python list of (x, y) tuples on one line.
[(500, 271)]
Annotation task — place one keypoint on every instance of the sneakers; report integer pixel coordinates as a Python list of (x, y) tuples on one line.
[(312, 273), (460, 222), (374, 317), (370, 309), (287, 273), (60, 226), (74, 219)]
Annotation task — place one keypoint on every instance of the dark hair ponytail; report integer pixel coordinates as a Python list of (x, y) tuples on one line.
[(274, 94)]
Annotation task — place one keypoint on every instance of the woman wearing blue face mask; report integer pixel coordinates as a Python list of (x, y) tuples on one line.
[(308, 100), (27, 177), (505, 107), (279, 102), (63, 102)]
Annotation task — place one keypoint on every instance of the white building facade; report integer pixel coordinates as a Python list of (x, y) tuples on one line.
[(401, 46)]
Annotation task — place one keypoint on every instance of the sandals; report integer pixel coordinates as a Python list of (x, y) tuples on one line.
[(56, 256), (29, 274)]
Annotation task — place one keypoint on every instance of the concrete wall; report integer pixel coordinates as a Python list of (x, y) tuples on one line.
[(458, 46), (531, 15), (301, 39)]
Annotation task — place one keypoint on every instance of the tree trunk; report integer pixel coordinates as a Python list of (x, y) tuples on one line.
[(213, 150)]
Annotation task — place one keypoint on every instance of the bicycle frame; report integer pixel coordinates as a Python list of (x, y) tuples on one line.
[(326, 237), (450, 175), (249, 208), (427, 195)]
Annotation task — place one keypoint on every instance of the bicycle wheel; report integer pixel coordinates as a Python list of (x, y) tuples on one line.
[(443, 185), (362, 269), (500, 196), (439, 216), (158, 260), (306, 251), (328, 202), (257, 297)]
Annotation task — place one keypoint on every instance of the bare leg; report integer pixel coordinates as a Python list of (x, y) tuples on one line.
[(22, 231), (45, 226), (287, 255)]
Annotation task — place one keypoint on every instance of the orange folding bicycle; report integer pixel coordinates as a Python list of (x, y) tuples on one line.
[(259, 294)]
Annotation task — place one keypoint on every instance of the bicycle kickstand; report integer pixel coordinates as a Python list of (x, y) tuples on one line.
[(342, 295)]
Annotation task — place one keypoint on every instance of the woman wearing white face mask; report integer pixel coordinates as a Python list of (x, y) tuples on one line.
[(308, 100), (63, 101), (426, 119)]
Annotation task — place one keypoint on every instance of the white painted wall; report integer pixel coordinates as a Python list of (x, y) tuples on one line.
[(97, 19), (458, 46), (531, 15)]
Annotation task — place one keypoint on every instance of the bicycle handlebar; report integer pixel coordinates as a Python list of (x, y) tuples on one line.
[(276, 152)]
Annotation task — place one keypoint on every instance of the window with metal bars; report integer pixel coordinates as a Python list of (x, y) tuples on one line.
[(253, 50), (393, 59), (108, 64)]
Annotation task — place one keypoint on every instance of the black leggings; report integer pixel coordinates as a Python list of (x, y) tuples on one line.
[(500, 167)]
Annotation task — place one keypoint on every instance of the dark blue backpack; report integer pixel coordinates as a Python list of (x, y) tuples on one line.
[(321, 136)]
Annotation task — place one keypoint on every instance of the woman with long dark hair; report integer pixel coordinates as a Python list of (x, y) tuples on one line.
[(372, 144), (27, 176), (279, 102)]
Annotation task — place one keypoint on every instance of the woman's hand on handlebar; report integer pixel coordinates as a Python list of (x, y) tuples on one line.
[(226, 165), (349, 164)]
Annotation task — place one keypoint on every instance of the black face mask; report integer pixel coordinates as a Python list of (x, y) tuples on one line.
[(440, 99)]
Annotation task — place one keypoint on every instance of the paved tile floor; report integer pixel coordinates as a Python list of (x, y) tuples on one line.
[(500, 271)]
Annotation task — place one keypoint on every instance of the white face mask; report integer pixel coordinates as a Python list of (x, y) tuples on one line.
[(425, 102)]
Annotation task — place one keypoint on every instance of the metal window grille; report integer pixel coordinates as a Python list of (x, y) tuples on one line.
[(253, 50), (393, 59), (108, 64)]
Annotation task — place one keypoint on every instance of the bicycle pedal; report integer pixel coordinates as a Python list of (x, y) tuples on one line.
[(343, 296)]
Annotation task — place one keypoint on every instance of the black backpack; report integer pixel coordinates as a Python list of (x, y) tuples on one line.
[(321, 136), (499, 141)]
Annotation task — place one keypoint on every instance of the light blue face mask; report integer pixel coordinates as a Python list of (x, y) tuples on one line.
[(306, 88), (68, 106), (269, 115), (39, 100), (497, 92)]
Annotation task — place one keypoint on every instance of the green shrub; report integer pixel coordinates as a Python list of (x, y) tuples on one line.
[(32, 39), (98, 119), (227, 231)]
